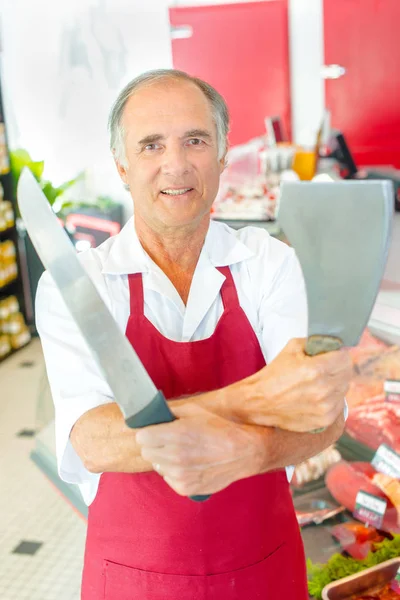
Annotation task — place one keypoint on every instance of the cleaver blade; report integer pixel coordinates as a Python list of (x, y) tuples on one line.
[(341, 234)]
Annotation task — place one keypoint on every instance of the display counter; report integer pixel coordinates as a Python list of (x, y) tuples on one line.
[(44, 457), (319, 545)]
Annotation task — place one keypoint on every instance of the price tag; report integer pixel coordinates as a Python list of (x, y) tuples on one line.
[(395, 585), (392, 390), (387, 461), (370, 509)]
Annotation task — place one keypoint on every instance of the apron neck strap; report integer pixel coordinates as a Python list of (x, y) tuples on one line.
[(228, 291), (136, 293)]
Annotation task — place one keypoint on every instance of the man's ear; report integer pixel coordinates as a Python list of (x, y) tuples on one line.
[(223, 162), (122, 170)]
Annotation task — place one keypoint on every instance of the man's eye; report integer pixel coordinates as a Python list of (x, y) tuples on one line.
[(151, 147), (195, 142)]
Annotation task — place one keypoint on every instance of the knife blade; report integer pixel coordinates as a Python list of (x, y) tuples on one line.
[(341, 234), (134, 391)]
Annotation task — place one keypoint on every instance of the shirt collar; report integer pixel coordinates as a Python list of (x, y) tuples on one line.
[(222, 247)]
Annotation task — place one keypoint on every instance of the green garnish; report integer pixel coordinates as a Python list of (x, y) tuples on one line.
[(339, 566)]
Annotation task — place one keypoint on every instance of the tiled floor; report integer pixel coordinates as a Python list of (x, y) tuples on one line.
[(31, 510)]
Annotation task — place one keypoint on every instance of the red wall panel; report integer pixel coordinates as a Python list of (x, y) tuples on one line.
[(242, 50), (362, 36)]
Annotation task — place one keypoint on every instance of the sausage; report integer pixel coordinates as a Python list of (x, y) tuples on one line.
[(344, 480)]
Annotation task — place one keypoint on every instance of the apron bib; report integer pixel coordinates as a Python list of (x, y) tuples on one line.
[(145, 542)]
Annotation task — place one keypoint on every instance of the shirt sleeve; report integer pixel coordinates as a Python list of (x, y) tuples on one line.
[(284, 313), (75, 380)]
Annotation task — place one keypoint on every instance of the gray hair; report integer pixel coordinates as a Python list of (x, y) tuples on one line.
[(218, 105)]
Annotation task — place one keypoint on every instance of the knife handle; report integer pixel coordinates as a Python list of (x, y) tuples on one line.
[(155, 413), (319, 344)]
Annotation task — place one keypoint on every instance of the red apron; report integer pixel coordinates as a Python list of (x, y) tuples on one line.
[(145, 542)]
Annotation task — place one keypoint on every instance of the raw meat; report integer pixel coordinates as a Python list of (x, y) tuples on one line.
[(362, 388), (391, 487), (368, 346), (313, 468), (383, 593), (356, 539), (374, 362), (344, 480), (385, 365), (375, 422)]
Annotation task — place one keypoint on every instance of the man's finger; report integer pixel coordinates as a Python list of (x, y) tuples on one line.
[(163, 455), (156, 436)]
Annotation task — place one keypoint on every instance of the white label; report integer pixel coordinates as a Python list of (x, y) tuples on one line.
[(387, 461), (392, 386), (374, 503)]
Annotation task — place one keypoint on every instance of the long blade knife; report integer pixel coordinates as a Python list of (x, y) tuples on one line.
[(134, 391)]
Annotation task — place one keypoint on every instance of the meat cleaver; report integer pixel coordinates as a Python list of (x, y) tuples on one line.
[(135, 393), (341, 233)]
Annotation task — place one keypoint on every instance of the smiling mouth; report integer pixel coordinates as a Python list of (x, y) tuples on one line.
[(170, 192)]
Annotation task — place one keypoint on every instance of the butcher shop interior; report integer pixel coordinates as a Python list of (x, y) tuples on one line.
[(312, 168)]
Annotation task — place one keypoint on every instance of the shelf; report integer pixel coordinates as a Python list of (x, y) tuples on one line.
[(8, 286), (7, 232), (10, 354)]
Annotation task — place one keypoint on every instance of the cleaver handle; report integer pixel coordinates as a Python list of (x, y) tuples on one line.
[(155, 413), (319, 344)]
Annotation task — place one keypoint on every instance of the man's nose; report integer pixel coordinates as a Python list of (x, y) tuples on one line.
[(175, 161)]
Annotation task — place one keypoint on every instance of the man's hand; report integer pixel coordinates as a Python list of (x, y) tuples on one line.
[(297, 392), (201, 452)]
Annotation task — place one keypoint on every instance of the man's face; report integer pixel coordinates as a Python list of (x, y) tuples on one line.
[(171, 152)]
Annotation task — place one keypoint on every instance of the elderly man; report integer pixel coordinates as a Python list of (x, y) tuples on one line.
[(216, 316)]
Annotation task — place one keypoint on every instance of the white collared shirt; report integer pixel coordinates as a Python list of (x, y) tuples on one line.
[(271, 291)]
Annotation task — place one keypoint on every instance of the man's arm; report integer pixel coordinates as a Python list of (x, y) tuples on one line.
[(105, 444), (276, 407), (84, 408), (284, 448), (294, 392)]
